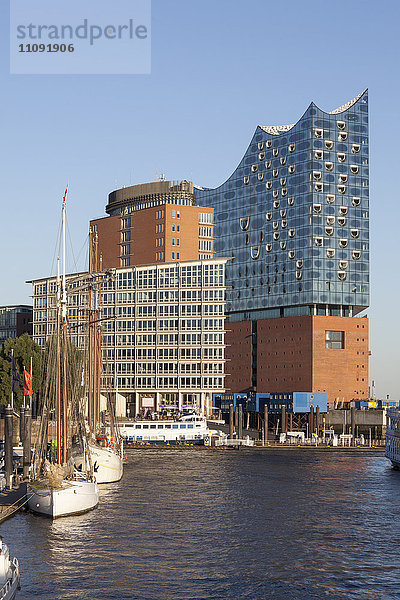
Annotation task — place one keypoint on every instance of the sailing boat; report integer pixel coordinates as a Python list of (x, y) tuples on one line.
[(106, 451), (61, 487)]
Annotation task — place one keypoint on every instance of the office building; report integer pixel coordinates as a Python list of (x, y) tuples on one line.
[(163, 337), (14, 321), (153, 223)]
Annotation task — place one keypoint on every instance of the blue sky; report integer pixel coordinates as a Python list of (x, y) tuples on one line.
[(219, 68)]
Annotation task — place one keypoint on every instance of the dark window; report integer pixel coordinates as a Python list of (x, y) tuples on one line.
[(334, 339)]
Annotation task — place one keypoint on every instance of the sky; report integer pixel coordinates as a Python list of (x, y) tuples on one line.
[(219, 68)]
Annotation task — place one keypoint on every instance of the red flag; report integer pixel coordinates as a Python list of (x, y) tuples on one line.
[(27, 384), (65, 194)]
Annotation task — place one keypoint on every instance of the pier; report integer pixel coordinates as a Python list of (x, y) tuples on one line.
[(11, 501)]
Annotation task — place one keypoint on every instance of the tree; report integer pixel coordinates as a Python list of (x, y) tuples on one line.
[(24, 348)]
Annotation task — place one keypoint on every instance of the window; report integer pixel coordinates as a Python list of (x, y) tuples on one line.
[(205, 218), (173, 256), (178, 214), (173, 214), (334, 340), (178, 255), (173, 227)]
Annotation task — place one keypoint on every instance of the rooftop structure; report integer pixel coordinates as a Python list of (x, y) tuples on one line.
[(148, 195)]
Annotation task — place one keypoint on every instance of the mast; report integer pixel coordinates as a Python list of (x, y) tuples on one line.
[(58, 362), (12, 378), (94, 336), (90, 338), (64, 337)]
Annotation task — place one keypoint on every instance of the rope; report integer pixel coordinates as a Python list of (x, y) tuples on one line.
[(9, 510)]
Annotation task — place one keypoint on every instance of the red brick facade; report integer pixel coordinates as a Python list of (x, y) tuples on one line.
[(292, 356), (238, 338), (159, 234)]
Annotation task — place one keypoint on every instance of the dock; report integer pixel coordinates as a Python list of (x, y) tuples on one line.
[(11, 501)]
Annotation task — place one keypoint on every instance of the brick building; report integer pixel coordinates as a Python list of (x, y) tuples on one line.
[(152, 223)]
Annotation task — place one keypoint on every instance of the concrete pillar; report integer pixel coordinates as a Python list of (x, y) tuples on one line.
[(240, 422), (236, 417), (265, 424), (311, 420), (290, 421), (231, 421), (283, 422), (317, 420), (27, 443), (353, 423), (8, 445)]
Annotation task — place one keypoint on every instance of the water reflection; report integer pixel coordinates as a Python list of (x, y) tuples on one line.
[(209, 525)]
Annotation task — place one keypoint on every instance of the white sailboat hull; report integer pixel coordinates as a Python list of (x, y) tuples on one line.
[(107, 464), (73, 498)]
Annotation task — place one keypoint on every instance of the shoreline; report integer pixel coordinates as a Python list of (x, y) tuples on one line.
[(270, 447)]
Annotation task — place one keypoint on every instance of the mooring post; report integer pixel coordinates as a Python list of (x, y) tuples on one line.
[(236, 417), (240, 422), (231, 421), (317, 420), (21, 424), (27, 443), (283, 421), (311, 421), (265, 424), (353, 424), (8, 445)]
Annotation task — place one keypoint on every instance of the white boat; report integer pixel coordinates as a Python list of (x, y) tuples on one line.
[(9, 574), (106, 460), (105, 451), (73, 497), (59, 488), (392, 451), (187, 430)]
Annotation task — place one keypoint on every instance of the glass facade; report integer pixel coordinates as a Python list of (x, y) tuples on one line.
[(295, 216)]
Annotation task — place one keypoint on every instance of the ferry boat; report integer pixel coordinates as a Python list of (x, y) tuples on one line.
[(393, 436), (187, 430)]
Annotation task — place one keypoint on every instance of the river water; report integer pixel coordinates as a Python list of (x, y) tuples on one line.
[(201, 524)]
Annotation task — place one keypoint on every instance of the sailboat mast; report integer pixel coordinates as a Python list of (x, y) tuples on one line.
[(64, 338), (58, 362), (94, 333)]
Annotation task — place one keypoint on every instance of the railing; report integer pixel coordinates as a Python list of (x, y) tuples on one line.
[(235, 442), (11, 582)]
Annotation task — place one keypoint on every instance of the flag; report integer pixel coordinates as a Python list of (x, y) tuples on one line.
[(15, 376), (65, 195), (27, 384)]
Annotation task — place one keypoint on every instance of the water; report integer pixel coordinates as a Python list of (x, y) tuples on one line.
[(199, 524)]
